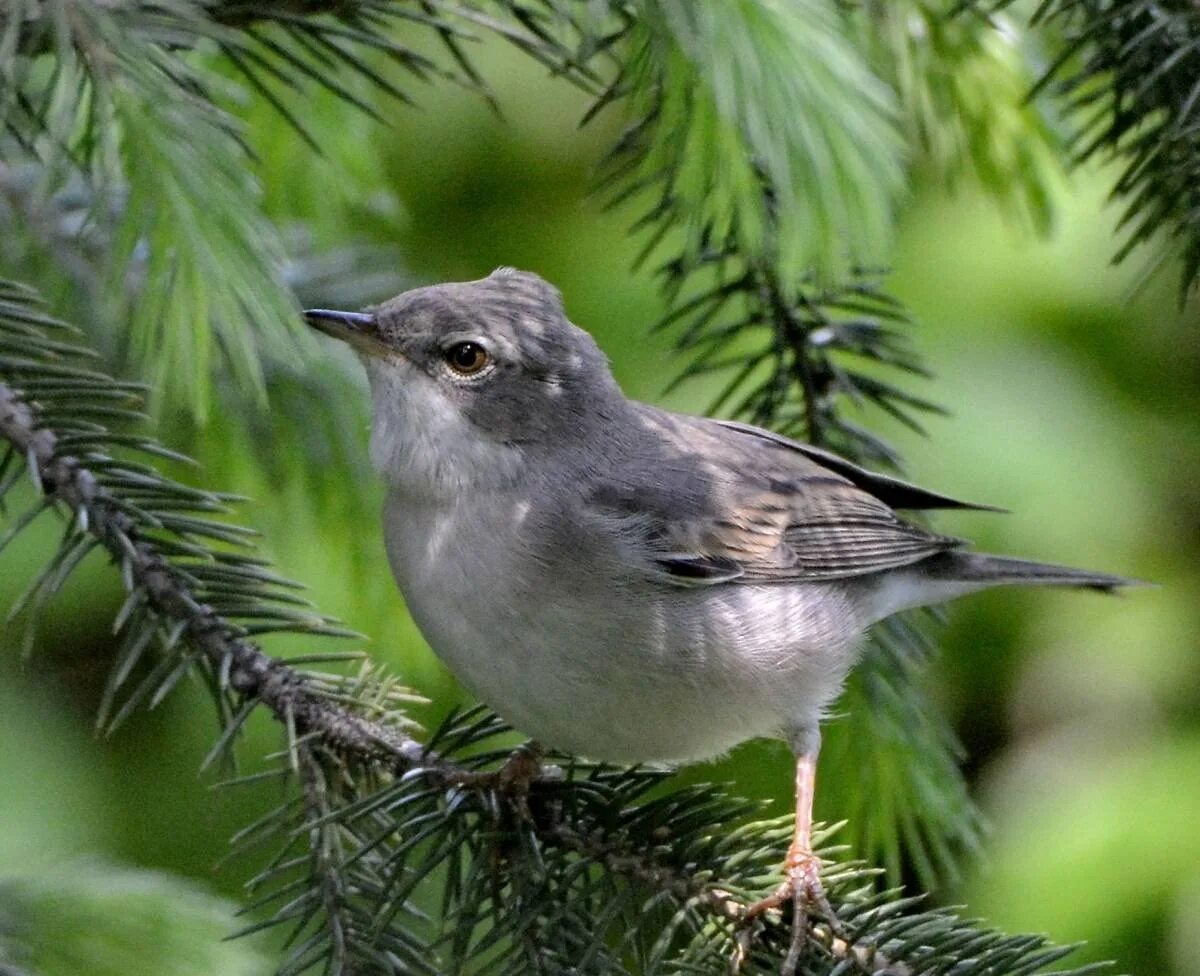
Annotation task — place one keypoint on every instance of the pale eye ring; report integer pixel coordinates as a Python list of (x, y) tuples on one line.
[(467, 358)]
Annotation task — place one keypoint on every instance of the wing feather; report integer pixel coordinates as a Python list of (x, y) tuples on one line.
[(772, 511), (893, 491)]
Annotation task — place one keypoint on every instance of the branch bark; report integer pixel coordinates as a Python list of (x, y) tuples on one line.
[(251, 672)]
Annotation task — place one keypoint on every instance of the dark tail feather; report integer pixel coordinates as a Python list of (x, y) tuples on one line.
[(972, 567), (955, 573)]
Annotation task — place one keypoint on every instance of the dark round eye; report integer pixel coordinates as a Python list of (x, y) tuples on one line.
[(467, 358)]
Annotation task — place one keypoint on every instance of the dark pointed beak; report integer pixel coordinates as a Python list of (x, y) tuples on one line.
[(359, 329)]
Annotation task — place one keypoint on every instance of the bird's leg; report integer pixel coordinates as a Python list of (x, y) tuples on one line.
[(801, 886)]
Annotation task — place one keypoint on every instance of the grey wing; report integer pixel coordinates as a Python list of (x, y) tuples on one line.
[(830, 530), (780, 517), (892, 491), (841, 530)]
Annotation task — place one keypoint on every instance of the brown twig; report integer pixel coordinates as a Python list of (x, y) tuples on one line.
[(252, 672)]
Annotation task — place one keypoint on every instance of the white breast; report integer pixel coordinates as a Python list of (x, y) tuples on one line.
[(622, 670)]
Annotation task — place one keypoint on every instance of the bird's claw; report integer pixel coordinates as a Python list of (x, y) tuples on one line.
[(803, 890)]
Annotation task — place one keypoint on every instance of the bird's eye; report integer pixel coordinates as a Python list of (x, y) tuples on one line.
[(467, 358)]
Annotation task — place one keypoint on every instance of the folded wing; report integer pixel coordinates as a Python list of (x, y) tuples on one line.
[(772, 510)]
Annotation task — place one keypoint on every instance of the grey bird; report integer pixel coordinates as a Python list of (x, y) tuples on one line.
[(623, 582)]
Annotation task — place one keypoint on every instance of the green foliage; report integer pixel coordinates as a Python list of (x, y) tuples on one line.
[(761, 124), (108, 921), (1129, 75), (909, 803), (793, 361), (597, 870), (100, 94), (172, 522), (963, 81)]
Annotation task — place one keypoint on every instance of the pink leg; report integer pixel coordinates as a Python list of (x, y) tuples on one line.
[(802, 868)]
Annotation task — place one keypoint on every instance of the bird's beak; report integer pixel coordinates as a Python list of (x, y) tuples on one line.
[(359, 329)]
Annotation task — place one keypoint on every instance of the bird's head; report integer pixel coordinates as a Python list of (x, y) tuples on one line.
[(471, 381)]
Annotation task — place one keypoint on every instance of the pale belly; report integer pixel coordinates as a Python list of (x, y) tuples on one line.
[(632, 671)]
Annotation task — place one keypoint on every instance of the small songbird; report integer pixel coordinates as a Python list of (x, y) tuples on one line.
[(623, 582)]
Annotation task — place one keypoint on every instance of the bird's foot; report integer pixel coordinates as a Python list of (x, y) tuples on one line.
[(803, 891), (517, 775)]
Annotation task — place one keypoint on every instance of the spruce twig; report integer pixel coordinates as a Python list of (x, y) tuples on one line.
[(1128, 75)]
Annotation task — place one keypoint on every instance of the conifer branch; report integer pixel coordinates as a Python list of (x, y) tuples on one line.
[(160, 586), (1128, 73), (962, 79)]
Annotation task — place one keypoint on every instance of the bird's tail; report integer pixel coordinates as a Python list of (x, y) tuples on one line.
[(956, 573), (987, 570)]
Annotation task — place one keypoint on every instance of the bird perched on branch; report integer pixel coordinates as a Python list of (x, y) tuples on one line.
[(624, 582)]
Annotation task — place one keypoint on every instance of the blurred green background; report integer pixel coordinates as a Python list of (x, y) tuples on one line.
[(1075, 403)]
